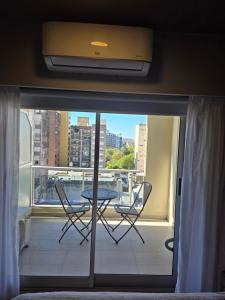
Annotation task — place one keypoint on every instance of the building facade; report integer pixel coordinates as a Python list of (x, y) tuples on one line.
[(80, 146), (39, 123), (113, 140), (82, 121), (46, 137), (102, 145), (54, 121), (64, 139), (140, 146)]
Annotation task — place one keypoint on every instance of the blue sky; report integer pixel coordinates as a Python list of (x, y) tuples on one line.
[(116, 123)]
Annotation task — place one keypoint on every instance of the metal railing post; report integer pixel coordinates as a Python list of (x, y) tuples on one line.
[(32, 187), (130, 186), (82, 183), (119, 188)]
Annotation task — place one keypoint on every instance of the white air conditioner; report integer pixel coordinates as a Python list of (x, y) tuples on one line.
[(97, 49)]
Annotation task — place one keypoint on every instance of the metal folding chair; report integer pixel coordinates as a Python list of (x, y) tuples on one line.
[(130, 213), (73, 212)]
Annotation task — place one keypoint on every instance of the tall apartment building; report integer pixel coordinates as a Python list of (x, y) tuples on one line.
[(64, 139), (113, 140), (80, 144), (140, 146), (54, 119), (39, 123), (102, 144), (46, 138)]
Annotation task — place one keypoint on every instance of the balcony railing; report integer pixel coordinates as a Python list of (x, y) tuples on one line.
[(125, 182)]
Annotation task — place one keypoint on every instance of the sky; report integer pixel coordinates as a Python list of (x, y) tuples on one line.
[(116, 123)]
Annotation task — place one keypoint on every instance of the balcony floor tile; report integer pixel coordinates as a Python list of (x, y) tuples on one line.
[(45, 256)]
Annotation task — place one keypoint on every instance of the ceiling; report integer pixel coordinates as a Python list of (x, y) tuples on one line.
[(175, 15)]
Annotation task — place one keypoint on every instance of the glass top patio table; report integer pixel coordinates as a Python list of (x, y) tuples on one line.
[(102, 194)]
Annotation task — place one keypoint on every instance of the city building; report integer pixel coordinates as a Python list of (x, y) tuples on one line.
[(80, 144), (54, 119), (46, 136), (113, 140), (140, 146), (82, 121), (39, 123), (102, 144), (64, 139)]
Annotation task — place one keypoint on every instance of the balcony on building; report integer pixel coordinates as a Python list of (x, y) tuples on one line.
[(46, 256)]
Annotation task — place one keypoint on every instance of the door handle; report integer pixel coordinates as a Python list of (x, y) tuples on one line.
[(179, 186)]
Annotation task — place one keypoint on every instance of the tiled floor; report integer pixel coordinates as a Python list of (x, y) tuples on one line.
[(45, 256)]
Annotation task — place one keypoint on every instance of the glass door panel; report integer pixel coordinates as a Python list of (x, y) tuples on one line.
[(130, 149), (136, 149), (62, 149)]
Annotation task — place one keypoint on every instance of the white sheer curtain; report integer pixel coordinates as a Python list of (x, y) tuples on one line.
[(9, 172), (202, 225)]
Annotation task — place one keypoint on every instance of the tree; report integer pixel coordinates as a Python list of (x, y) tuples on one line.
[(127, 162), (108, 155), (127, 149), (120, 159)]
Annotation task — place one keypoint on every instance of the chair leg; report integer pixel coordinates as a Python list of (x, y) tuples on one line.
[(123, 235), (63, 234), (88, 231), (68, 229), (132, 225), (66, 223), (106, 222), (73, 223), (98, 218), (135, 228), (86, 225), (114, 228)]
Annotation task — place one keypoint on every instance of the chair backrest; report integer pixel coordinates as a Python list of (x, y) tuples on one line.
[(61, 193), (145, 189)]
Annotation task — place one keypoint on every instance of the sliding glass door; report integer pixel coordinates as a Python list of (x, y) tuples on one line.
[(116, 231), (56, 232), (138, 225)]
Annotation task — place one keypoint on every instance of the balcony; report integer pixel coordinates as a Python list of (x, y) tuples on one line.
[(45, 256)]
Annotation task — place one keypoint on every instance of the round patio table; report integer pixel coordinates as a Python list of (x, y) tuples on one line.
[(104, 196)]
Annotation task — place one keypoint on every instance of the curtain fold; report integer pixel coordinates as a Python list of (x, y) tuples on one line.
[(9, 173), (201, 243)]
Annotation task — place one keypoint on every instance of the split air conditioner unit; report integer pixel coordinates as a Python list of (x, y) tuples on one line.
[(97, 49)]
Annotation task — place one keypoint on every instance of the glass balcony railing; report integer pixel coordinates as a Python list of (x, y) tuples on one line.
[(125, 182)]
